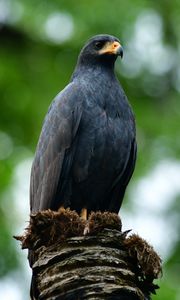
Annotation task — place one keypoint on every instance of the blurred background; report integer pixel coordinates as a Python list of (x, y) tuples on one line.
[(39, 44)]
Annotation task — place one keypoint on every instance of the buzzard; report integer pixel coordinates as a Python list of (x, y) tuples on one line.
[(86, 152)]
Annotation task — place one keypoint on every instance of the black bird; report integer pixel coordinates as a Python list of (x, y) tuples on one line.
[(87, 148)]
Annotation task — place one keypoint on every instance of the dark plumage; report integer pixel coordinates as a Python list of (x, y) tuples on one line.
[(87, 150)]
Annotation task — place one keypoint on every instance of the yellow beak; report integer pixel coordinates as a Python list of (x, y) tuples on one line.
[(112, 48)]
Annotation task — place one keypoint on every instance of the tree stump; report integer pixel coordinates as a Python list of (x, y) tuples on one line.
[(104, 264)]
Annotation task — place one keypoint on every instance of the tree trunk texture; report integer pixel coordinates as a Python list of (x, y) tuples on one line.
[(105, 263)]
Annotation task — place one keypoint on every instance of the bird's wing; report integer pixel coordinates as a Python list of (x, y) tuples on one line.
[(58, 133), (121, 181), (129, 169), (126, 173)]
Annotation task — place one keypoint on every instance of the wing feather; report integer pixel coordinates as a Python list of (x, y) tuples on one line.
[(59, 130)]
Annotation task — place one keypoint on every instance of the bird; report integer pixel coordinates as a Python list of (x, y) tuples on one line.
[(86, 152)]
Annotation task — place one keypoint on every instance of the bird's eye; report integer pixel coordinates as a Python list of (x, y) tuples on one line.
[(99, 45)]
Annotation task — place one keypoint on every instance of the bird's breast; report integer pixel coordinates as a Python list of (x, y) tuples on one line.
[(102, 143)]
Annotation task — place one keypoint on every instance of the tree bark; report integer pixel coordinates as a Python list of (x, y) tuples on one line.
[(104, 264)]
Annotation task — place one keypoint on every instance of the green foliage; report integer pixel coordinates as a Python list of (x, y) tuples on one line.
[(8, 259)]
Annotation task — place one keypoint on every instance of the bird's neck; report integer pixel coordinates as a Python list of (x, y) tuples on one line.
[(94, 71)]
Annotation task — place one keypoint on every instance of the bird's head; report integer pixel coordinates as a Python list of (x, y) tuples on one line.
[(102, 48)]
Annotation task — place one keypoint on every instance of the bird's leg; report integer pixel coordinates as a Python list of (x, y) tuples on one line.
[(61, 208), (84, 215)]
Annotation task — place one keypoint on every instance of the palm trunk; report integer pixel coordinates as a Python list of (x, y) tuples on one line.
[(105, 264)]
